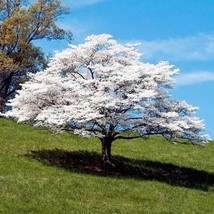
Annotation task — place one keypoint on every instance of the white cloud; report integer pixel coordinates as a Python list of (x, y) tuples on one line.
[(194, 78), (198, 47), (82, 3)]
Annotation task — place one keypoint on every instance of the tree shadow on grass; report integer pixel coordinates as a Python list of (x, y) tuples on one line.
[(90, 163)]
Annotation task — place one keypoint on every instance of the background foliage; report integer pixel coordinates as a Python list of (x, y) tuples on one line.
[(21, 23)]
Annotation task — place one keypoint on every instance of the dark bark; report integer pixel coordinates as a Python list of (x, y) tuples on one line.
[(4, 89), (106, 149), (106, 154)]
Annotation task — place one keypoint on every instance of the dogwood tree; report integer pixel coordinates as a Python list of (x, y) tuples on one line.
[(101, 88)]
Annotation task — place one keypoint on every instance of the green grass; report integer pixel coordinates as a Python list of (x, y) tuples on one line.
[(45, 173)]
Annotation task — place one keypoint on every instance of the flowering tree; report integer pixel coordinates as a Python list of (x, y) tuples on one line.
[(21, 23), (101, 88)]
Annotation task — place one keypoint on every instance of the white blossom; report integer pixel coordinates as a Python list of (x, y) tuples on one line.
[(101, 88)]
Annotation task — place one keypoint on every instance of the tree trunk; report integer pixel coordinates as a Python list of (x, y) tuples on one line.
[(106, 150), (2, 105), (4, 90), (106, 154)]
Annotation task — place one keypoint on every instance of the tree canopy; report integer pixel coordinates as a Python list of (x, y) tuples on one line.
[(101, 88), (21, 23)]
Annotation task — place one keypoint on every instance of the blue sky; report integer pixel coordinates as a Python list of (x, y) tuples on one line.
[(178, 31)]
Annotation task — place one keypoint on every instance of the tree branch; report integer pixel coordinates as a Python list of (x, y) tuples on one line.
[(92, 73), (131, 137)]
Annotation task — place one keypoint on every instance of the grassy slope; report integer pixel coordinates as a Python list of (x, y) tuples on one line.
[(30, 186)]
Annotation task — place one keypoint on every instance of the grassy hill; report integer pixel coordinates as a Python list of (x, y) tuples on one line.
[(45, 173)]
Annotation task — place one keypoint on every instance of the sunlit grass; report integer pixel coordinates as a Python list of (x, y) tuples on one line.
[(39, 174)]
